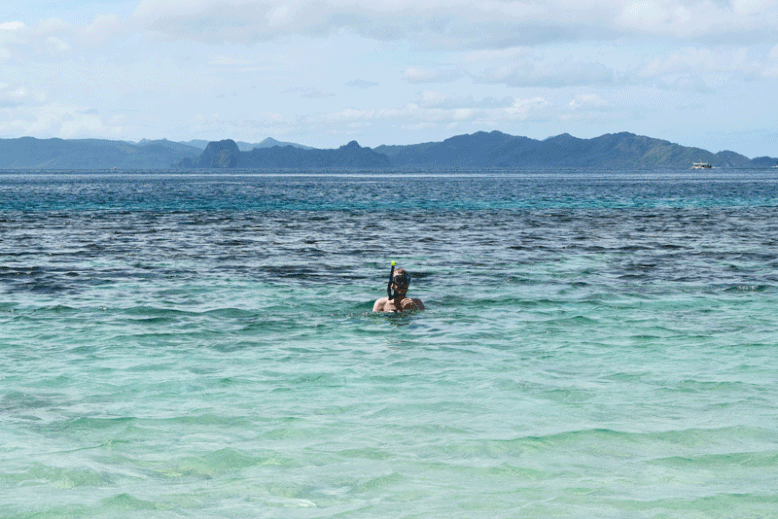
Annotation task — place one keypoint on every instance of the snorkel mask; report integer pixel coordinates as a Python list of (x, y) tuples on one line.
[(402, 280)]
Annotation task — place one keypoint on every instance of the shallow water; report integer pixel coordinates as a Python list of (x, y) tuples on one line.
[(596, 344)]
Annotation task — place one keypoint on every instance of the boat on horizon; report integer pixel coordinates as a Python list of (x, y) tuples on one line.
[(701, 165)]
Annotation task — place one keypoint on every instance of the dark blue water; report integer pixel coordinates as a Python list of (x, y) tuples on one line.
[(371, 191)]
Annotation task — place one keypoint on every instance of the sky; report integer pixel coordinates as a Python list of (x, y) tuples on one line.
[(325, 72)]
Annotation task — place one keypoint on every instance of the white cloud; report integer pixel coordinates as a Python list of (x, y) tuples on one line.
[(550, 74), (50, 26), (770, 68), (430, 99), (11, 26), (717, 63), (526, 67), (417, 75), (591, 107), (56, 46), (278, 16), (10, 37), (18, 95), (432, 112), (460, 24), (104, 28), (645, 14), (436, 109), (691, 84), (453, 25), (589, 102), (21, 42), (752, 7), (53, 38), (56, 120)]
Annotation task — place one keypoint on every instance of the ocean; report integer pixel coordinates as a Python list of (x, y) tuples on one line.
[(595, 344)]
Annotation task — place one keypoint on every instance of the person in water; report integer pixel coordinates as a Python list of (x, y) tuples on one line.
[(400, 282)]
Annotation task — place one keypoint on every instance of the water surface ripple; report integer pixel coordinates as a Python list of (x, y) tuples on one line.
[(596, 344)]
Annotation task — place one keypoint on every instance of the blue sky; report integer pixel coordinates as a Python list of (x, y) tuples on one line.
[(322, 73)]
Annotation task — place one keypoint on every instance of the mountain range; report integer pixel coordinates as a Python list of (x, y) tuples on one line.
[(482, 149), (619, 150)]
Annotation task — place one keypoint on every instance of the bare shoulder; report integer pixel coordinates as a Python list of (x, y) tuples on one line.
[(412, 304), (380, 304)]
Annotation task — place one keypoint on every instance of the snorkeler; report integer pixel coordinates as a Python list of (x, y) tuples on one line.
[(396, 300)]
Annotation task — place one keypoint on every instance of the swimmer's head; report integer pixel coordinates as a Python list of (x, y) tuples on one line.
[(401, 280)]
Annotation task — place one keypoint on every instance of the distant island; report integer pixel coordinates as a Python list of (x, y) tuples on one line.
[(482, 149), (619, 150), (226, 154)]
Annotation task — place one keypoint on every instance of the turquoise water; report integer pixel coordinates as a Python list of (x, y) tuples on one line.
[(596, 344)]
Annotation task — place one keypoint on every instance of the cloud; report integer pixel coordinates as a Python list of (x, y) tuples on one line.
[(430, 112), (19, 95), (701, 21), (56, 120), (691, 84), (11, 35), (451, 25), (11, 26), (54, 39), (439, 110), (770, 68), (361, 83), (591, 107), (460, 24), (438, 22), (589, 102), (21, 42), (56, 46), (225, 60), (448, 25), (687, 68), (104, 28), (536, 73), (417, 75), (430, 99)]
